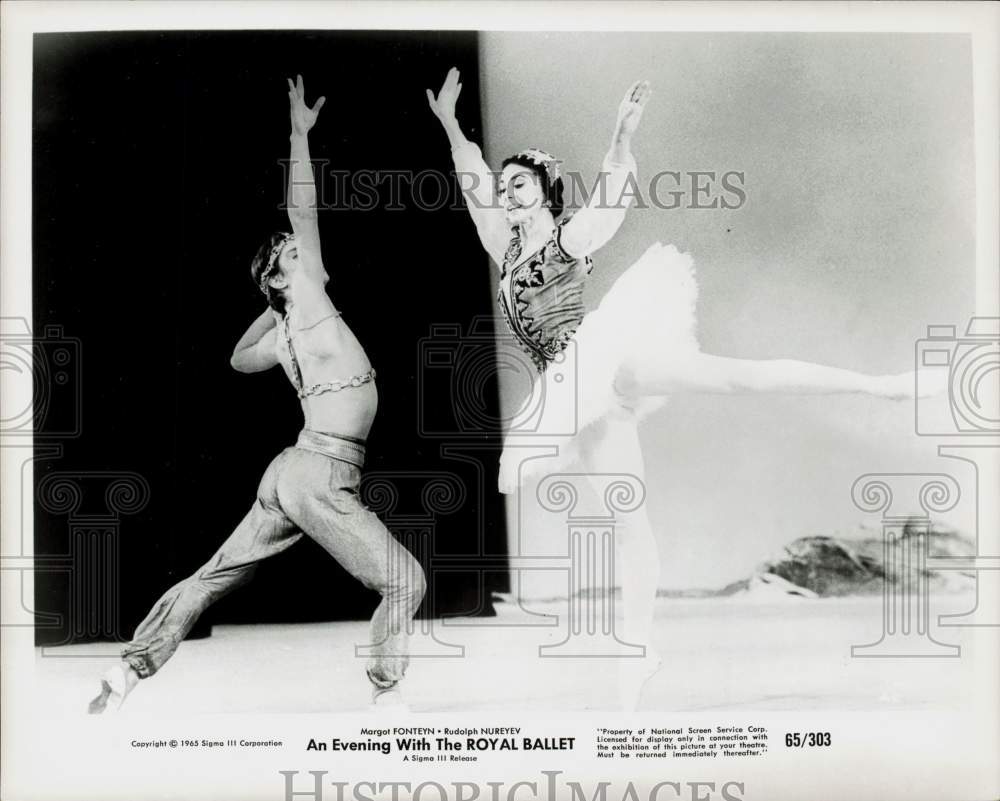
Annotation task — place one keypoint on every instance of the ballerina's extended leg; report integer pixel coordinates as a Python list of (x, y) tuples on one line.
[(701, 372)]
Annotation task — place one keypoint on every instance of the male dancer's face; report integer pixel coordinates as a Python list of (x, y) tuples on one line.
[(286, 263), (290, 261)]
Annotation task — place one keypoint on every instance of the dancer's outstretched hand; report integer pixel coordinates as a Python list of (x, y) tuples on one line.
[(630, 110), (443, 105), (303, 117)]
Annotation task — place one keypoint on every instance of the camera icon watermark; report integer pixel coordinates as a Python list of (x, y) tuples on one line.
[(969, 367), (458, 385), (40, 379), (958, 397), (42, 394)]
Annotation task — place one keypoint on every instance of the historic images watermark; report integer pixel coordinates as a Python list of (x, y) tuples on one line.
[(552, 785), (435, 190)]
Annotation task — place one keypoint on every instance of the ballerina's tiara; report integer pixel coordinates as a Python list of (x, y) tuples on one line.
[(271, 259), (545, 160)]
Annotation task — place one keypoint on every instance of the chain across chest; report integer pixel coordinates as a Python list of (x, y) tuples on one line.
[(336, 385)]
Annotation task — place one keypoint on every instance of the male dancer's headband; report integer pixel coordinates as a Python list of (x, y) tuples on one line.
[(272, 259)]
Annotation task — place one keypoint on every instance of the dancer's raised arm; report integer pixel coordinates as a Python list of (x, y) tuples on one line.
[(594, 224), (474, 175), (302, 213), (256, 349)]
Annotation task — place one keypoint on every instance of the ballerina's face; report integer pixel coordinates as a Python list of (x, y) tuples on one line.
[(520, 191)]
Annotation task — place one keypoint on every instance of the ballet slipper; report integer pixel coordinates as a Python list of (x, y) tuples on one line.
[(116, 683), (388, 700)]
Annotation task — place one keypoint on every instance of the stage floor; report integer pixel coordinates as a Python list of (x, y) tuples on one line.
[(719, 654)]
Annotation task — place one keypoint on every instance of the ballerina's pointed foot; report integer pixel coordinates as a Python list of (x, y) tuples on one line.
[(633, 675), (116, 683)]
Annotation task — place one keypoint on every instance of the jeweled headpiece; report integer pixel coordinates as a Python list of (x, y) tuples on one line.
[(540, 158)]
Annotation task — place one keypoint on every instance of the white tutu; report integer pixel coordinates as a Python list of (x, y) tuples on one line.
[(648, 314)]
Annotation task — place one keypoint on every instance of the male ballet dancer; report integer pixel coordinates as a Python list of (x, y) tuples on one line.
[(310, 488)]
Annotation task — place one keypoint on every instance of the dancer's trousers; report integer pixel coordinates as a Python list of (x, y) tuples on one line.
[(305, 490)]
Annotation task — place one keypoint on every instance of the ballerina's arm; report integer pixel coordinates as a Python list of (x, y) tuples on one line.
[(474, 175), (602, 215)]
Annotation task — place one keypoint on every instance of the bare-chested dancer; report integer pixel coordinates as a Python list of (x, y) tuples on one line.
[(312, 487)]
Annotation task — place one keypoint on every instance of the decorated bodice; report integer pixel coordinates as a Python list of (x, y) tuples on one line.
[(542, 298)]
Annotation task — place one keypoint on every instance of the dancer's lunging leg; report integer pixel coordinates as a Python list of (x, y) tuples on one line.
[(263, 532), (303, 490), (354, 536)]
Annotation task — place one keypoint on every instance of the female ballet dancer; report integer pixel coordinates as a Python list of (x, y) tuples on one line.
[(637, 348)]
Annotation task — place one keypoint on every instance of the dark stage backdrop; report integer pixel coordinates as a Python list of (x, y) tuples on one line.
[(156, 175)]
